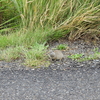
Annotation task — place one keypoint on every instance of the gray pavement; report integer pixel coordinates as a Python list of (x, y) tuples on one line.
[(47, 84)]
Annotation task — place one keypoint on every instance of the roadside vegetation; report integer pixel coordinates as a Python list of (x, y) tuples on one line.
[(85, 57), (27, 25)]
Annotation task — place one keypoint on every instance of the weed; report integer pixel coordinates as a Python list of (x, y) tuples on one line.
[(96, 50), (75, 56), (96, 55), (4, 41), (62, 47), (80, 58), (36, 55), (11, 53)]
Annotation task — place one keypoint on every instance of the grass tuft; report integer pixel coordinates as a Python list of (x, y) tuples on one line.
[(62, 47), (11, 53), (36, 55)]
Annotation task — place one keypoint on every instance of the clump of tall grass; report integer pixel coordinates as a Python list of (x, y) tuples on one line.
[(8, 16), (76, 17), (85, 21)]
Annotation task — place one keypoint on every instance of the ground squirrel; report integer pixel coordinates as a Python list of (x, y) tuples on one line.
[(56, 55)]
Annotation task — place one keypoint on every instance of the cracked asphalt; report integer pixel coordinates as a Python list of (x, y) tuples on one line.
[(48, 84)]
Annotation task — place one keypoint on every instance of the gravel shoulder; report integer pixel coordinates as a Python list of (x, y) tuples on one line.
[(70, 80)]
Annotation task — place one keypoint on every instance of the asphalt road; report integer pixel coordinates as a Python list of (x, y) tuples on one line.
[(47, 84)]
